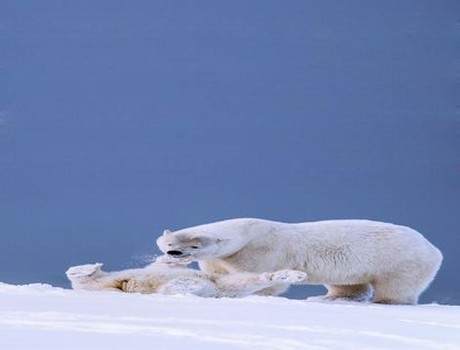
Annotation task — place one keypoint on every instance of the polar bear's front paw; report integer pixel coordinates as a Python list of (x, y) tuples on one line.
[(83, 270), (285, 276)]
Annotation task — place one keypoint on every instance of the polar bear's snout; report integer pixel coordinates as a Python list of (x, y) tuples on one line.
[(175, 253)]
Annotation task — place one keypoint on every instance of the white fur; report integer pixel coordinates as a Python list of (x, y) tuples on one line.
[(166, 276), (352, 258)]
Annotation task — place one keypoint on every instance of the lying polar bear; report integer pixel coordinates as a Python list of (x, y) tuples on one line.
[(354, 259), (171, 276)]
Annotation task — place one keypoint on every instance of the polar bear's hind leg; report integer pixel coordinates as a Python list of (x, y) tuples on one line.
[(400, 289), (404, 286), (395, 292)]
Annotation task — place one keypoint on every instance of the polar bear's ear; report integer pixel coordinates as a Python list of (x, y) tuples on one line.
[(165, 232)]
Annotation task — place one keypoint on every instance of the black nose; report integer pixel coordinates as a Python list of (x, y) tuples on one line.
[(174, 252)]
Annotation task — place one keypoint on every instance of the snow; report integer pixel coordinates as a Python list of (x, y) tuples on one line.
[(40, 316)]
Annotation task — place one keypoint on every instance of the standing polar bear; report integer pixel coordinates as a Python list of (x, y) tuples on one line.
[(354, 259)]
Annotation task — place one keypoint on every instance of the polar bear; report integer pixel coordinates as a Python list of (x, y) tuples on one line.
[(171, 276), (361, 260)]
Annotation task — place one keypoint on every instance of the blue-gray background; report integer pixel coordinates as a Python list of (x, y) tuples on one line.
[(122, 118)]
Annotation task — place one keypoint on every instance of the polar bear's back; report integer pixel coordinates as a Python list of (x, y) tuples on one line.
[(369, 234)]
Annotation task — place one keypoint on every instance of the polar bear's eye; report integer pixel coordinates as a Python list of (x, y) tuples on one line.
[(194, 247)]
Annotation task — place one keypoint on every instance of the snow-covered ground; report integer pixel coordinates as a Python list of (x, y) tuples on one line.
[(43, 317)]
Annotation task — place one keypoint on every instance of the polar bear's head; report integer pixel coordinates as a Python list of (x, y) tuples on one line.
[(185, 245)]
